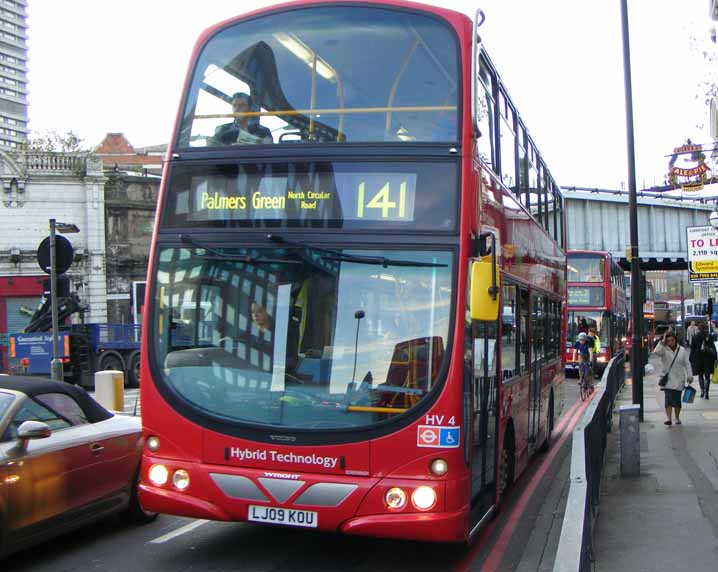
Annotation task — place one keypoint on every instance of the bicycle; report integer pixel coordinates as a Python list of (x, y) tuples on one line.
[(585, 380)]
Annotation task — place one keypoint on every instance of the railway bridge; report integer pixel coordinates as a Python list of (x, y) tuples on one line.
[(599, 220)]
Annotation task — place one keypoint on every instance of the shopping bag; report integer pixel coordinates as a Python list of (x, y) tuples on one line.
[(689, 394), (714, 379)]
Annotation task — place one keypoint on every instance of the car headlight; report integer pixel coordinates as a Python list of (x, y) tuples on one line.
[(602, 359), (395, 498), (423, 498)]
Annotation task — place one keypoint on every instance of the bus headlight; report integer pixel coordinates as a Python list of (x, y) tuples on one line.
[(423, 498), (439, 467), (602, 359), (158, 475), (153, 443), (395, 498), (180, 479)]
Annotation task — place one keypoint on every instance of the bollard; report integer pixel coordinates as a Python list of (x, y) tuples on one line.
[(110, 389), (630, 440)]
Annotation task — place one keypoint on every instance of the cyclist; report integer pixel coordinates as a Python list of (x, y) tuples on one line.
[(584, 349)]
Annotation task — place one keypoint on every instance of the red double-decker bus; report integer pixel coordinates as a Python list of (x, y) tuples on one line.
[(596, 299), (354, 311)]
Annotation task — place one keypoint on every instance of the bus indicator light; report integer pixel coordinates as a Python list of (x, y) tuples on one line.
[(439, 467)]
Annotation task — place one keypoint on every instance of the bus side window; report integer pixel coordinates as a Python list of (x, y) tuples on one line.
[(509, 339), (523, 329)]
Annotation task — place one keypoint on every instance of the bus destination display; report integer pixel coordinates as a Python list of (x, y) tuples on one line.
[(370, 196)]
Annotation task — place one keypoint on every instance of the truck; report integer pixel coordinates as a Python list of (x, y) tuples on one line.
[(84, 348)]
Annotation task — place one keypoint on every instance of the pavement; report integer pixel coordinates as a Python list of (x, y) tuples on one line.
[(665, 519)]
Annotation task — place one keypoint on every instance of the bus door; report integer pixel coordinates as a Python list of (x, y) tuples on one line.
[(538, 328), (484, 418)]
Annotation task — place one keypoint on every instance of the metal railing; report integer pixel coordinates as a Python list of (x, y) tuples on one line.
[(575, 547)]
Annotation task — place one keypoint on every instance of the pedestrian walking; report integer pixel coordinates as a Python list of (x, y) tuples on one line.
[(703, 358), (691, 331), (676, 368)]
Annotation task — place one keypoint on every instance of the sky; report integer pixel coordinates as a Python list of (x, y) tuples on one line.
[(98, 67)]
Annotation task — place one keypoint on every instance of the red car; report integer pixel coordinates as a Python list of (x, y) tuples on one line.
[(64, 461)]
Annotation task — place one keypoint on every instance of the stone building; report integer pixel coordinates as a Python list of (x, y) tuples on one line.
[(114, 210)]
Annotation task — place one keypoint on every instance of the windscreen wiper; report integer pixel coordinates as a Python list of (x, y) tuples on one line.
[(329, 254), (217, 255)]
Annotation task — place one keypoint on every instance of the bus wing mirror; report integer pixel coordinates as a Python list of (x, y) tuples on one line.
[(484, 299)]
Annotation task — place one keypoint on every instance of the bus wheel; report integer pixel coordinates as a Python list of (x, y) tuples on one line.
[(133, 370), (506, 475)]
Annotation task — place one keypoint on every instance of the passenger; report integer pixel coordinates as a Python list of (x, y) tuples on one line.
[(244, 130)]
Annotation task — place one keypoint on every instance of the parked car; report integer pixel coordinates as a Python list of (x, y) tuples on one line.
[(64, 461)]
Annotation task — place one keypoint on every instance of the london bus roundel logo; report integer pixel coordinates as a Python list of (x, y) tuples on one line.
[(428, 436)]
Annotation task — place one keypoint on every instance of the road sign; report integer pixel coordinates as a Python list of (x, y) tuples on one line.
[(63, 254), (702, 253)]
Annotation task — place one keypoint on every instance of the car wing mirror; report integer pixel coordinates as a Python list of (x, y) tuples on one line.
[(32, 430)]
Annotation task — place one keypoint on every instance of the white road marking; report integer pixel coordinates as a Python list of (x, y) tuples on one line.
[(180, 531)]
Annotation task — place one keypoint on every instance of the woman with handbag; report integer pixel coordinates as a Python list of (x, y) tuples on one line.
[(675, 372)]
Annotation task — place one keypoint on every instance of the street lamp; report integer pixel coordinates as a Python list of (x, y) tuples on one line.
[(636, 298), (56, 372)]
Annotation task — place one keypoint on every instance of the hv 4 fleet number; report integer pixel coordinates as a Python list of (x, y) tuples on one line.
[(286, 516)]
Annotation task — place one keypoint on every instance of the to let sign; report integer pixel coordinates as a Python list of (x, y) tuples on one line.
[(702, 253)]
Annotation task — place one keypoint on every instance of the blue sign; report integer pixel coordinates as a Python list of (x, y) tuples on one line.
[(449, 436)]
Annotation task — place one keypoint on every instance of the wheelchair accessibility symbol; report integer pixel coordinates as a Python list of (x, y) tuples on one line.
[(437, 437)]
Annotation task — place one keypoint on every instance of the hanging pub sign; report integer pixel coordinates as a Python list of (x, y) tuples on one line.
[(702, 253), (687, 167)]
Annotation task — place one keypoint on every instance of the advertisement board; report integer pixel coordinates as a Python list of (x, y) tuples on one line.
[(702, 244)]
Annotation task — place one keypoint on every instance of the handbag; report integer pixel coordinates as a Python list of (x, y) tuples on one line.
[(664, 378), (689, 394)]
